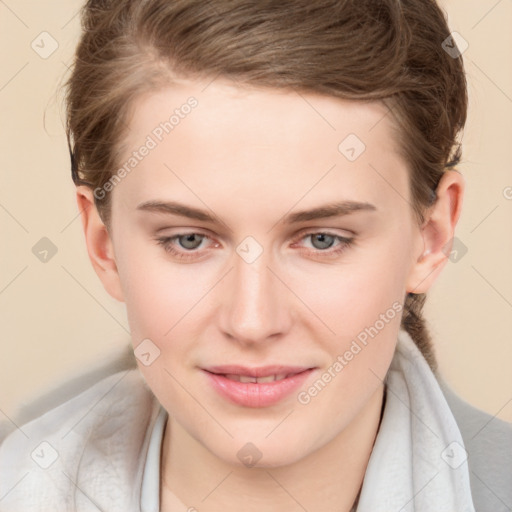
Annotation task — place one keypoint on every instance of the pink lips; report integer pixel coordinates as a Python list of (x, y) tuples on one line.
[(226, 381)]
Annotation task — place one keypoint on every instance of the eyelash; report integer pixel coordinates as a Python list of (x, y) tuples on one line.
[(345, 243)]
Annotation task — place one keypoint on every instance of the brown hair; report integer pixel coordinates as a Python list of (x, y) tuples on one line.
[(387, 50)]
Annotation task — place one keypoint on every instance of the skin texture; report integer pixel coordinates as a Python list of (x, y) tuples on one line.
[(249, 157)]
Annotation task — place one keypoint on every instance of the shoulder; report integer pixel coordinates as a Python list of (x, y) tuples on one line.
[(93, 442), (488, 442)]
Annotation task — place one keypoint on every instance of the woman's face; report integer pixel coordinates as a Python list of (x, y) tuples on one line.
[(294, 249)]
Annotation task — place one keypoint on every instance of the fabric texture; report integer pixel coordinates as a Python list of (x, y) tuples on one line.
[(86, 455), (418, 462), (100, 450)]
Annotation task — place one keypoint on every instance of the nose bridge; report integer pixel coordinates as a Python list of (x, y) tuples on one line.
[(256, 308)]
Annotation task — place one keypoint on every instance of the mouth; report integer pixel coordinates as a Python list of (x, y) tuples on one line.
[(256, 387)]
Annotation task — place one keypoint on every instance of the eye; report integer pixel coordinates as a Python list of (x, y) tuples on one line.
[(186, 246), (189, 242), (322, 243)]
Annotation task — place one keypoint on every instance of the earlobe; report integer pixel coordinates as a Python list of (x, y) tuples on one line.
[(99, 243), (437, 232)]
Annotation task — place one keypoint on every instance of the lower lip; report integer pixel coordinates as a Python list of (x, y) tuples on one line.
[(252, 394)]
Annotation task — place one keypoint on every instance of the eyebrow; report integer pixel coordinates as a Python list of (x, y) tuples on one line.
[(336, 209)]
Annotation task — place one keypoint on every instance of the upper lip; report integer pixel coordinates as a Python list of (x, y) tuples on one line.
[(262, 371)]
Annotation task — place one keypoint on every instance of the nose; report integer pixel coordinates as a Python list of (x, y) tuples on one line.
[(256, 306)]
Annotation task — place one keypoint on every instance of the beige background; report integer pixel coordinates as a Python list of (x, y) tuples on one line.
[(59, 323)]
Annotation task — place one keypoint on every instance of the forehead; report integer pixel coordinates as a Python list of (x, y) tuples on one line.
[(239, 109), (259, 140)]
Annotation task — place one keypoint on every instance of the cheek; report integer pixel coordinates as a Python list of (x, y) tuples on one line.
[(352, 295), (151, 303), (160, 304), (158, 292), (360, 307)]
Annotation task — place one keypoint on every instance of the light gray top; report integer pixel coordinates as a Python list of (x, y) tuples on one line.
[(150, 492)]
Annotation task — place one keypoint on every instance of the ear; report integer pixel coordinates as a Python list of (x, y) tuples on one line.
[(99, 243), (437, 232)]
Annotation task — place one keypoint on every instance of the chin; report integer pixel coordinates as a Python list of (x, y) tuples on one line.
[(261, 453)]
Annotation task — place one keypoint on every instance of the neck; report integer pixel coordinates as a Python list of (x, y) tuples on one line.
[(328, 479)]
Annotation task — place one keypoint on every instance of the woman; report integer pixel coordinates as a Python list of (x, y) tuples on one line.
[(271, 189)]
